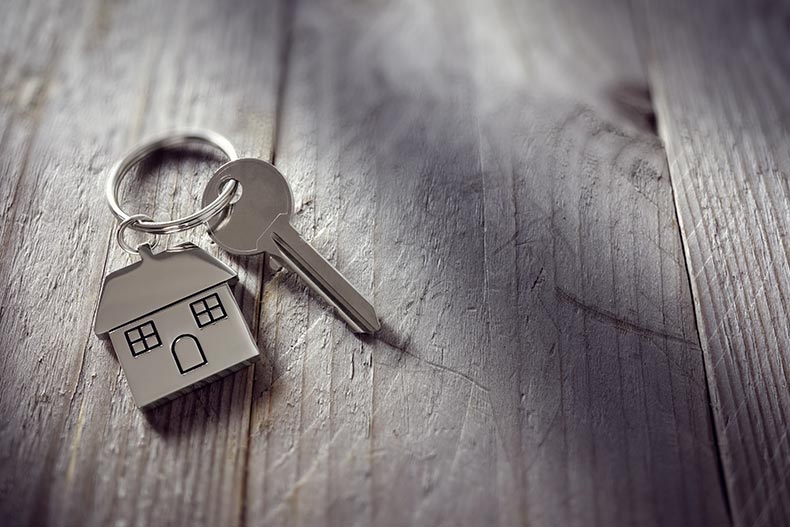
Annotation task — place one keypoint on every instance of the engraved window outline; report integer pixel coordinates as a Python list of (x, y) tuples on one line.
[(142, 338), (208, 310)]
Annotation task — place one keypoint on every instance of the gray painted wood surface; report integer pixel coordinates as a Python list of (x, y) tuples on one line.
[(490, 174), (730, 160)]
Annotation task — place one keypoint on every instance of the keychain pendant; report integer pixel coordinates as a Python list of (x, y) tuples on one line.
[(173, 322)]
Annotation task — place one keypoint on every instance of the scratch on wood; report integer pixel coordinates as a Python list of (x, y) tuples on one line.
[(75, 443), (461, 434), (538, 279), (625, 325), (292, 493), (545, 436), (447, 369)]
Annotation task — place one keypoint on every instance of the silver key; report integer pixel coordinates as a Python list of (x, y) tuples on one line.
[(259, 222)]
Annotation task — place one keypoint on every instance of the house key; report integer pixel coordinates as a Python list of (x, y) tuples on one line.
[(259, 222)]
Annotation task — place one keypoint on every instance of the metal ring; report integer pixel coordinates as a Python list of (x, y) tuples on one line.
[(170, 140), (128, 223)]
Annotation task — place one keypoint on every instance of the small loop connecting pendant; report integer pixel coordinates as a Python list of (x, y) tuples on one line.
[(127, 223)]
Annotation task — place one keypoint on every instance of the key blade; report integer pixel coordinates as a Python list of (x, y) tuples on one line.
[(323, 278)]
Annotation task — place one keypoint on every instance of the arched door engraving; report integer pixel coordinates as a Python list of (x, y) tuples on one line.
[(188, 353)]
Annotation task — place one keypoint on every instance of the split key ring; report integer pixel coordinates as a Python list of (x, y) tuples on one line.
[(167, 141)]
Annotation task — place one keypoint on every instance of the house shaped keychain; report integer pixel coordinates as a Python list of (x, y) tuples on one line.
[(171, 317), (173, 322)]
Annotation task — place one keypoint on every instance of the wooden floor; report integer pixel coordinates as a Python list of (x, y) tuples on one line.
[(571, 215)]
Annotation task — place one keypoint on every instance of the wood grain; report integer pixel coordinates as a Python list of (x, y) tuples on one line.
[(540, 363), (75, 450), (488, 173), (720, 74)]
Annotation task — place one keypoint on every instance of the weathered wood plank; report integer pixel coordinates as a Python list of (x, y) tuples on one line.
[(75, 449), (720, 75), (506, 209), (486, 172)]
